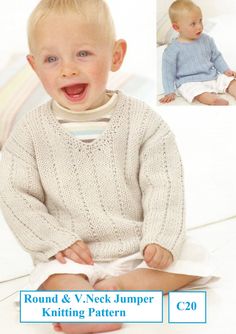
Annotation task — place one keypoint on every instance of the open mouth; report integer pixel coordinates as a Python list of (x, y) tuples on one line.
[(75, 92)]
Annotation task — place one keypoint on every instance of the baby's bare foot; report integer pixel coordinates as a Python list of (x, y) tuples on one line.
[(79, 328), (220, 102), (57, 327), (86, 328), (112, 283)]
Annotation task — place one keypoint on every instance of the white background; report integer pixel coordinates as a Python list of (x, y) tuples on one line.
[(209, 8)]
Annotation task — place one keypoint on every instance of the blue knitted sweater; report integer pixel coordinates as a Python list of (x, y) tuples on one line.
[(199, 60)]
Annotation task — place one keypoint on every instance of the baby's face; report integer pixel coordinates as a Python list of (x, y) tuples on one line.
[(72, 60), (190, 25)]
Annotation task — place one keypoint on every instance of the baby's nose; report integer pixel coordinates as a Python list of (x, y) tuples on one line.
[(69, 70)]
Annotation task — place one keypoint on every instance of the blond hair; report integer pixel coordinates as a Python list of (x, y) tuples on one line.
[(179, 6), (89, 11)]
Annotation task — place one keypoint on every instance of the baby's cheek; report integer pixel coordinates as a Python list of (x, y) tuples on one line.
[(100, 76), (47, 81)]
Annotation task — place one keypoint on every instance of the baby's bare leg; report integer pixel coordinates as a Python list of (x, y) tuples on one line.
[(232, 88), (211, 99), (146, 279), (75, 282)]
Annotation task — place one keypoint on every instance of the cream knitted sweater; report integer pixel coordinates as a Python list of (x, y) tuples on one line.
[(118, 193)]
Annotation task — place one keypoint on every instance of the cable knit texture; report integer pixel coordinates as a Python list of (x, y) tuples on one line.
[(118, 193)]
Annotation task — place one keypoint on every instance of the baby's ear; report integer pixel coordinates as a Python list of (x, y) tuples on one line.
[(175, 26), (31, 61), (119, 52)]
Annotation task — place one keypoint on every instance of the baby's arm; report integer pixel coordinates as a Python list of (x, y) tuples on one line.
[(78, 252), (217, 58), (22, 199), (169, 60), (161, 183), (157, 257)]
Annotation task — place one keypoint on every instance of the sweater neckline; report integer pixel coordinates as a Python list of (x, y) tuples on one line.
[(88, 115), (189, 43), (105, 136)]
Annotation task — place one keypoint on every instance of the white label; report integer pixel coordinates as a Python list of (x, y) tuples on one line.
[(91, 306), (187, 307)]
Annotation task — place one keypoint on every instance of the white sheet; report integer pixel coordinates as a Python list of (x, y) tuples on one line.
[(206, 137), (220, 240), (14, 261)]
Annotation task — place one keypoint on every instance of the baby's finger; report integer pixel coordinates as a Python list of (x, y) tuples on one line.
[(170, 98), (149, 253), (83, 252), (156, 260), (70, 254), (170, 260), (167, 99), (79, 256), (60, 257), (166, 260)]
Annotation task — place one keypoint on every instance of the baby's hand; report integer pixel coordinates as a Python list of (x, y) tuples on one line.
[(78, 252), (168, 98), (230, 73), (157, 257)]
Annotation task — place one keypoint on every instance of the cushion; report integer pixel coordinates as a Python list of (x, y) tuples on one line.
[(20, 90), (165, 32)]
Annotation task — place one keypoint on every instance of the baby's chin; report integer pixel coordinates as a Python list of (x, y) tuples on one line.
[(195, 38)]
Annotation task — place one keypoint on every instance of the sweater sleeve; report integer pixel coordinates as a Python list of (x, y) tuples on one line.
[(169, 63), (217, 58), (22, 200), (161, 181)]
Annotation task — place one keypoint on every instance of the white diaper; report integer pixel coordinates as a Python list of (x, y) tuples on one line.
[(193, 260), (190, 90)]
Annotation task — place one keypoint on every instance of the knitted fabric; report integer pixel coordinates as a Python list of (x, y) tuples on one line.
[(199, 60), (118, 193)]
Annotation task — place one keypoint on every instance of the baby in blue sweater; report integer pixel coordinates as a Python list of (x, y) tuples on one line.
[(192, 65)]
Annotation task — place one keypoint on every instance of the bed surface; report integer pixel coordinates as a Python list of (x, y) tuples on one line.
[(219, 238), (179, 101)]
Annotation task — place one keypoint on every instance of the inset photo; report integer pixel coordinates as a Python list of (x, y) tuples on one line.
[(196, 63)]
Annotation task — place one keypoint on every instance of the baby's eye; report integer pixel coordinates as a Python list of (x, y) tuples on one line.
[(51, 59), (83, 53)]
